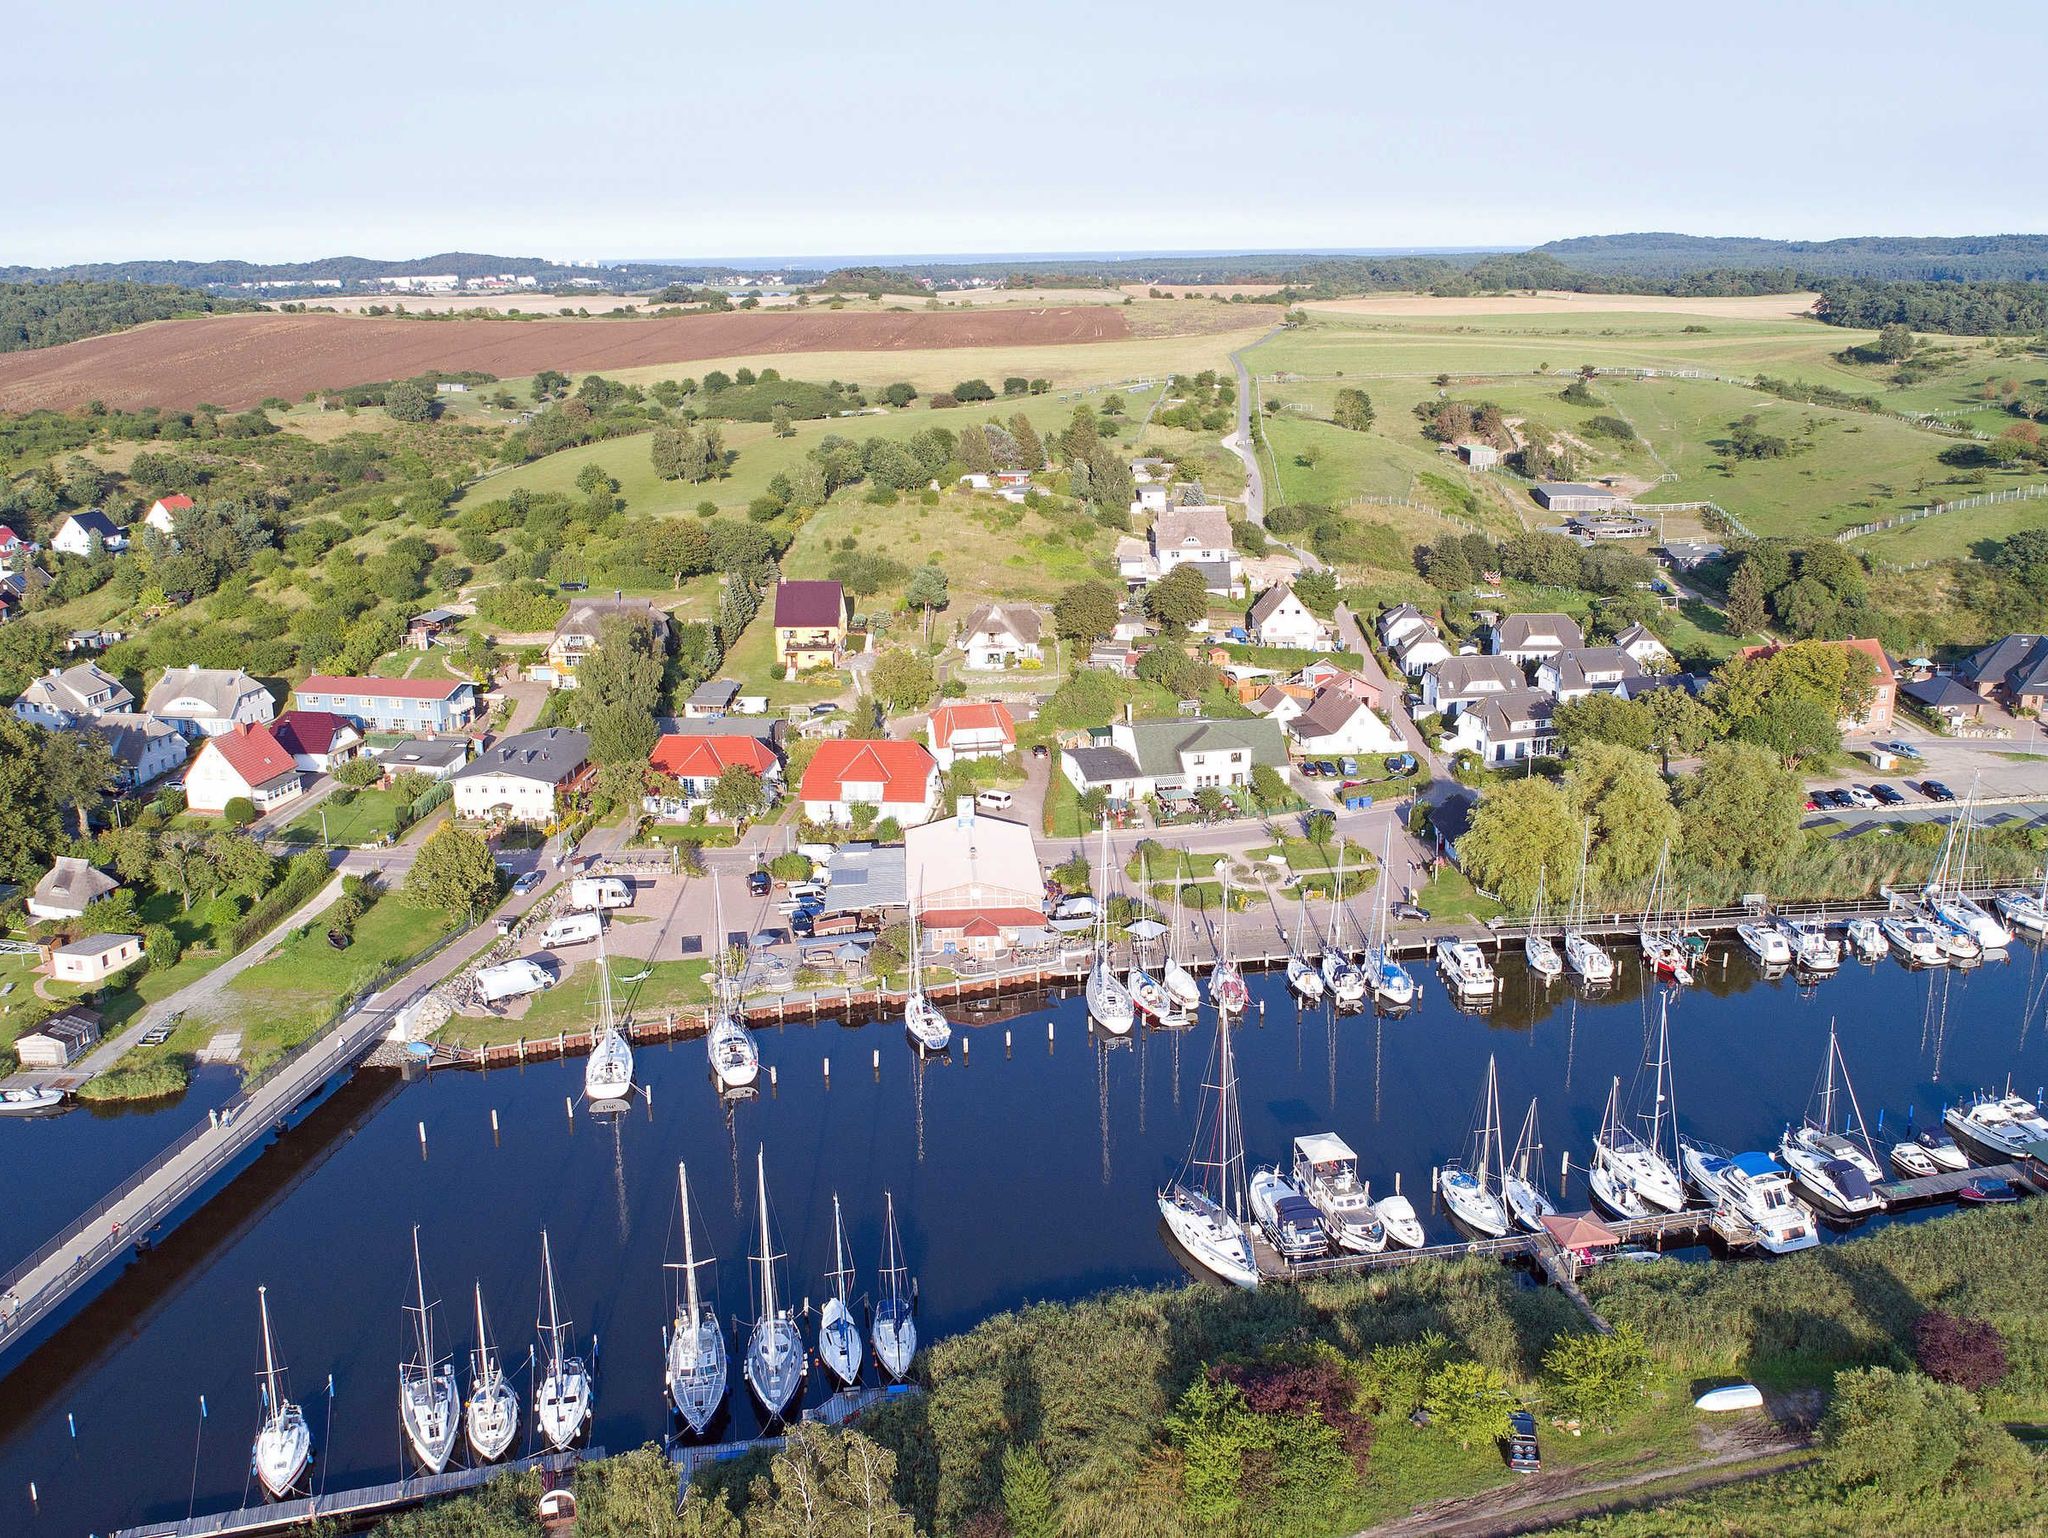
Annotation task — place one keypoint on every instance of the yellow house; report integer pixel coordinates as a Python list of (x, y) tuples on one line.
[(810, 624)]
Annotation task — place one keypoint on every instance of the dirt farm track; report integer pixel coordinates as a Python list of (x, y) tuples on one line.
[(238, 360)]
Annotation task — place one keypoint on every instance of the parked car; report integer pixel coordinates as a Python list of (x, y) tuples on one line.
[(1347, 766), (1524, 1456), (823, 708), (528, 882), (1836, 798), (757, 883), (1400, 763), (994, 800), (1327, 768), (1408, 910), (1038, 750), (1888, 795), (1308, 769), (573, 587), (1903, 749), (1934, 790), (1860, 796), (156, 1035)]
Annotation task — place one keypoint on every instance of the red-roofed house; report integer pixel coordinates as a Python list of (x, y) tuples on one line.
[(897, 779), (316, 739), (12, 547), (697, 762), (1884, 696), (982, 730), (248, 761), (163, 513), (810, 624)]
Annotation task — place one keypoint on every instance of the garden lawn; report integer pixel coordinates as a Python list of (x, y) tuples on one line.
[(372, 815), (571, 1005), (1450, 896)]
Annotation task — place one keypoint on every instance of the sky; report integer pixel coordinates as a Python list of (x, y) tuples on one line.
[(702, 128)]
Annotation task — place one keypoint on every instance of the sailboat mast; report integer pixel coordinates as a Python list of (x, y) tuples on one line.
[(483, 1343), (889, 1208), (1827, 1087), (1489, 1133), (767, 1263), (1663, 1084), (420, 1283), (547, 1271), (689, 1244), (838, 1248), (269, 1359)]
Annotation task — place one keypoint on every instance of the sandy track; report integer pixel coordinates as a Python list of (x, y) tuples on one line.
[(238, 360), (1429, 306)]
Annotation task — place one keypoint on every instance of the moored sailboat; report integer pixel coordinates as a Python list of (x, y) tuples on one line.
[(491, 1415), (1589, 963), (1631, 1175), (429, 1407), (1834, 1164), (563, 1398), (1109, 1001), (728, 1044), (694, 1359), (1392, 987), (1521, 1181), (922, 1021), (1226, 984), (283, 1445), (608, 1071), (1468, 1188), (839, 1346), (895, 1324), (1204, 1205), (775, 1351), (1345, 983), (1543, 960), (1663, 944)]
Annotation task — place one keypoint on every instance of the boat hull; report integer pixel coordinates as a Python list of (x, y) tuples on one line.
[(1397, 1216), (430, 1411), (895, 1335), (283, 1449), (775, 1365), (696, 1378), (491, 1419), (1214, 1241), (561, 1405), (839, 1346)]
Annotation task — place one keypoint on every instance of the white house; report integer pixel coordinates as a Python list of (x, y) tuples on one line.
[(1281, 705), (979, 730), (248, 762), (67, 887), (980, 890), (317, 740), (76, 533), (1000, 635), (64, 698), (144, 748), (1457, 682), (1281, 619), (1401, 620), (1573, 675), (1532, 637), (1510, 727), (94, 959), (163, 513), (1110, 770), (1339, 721), (898, 779), (1419, 651), (204, 702), (521, 778), (1639, 643), (1199, 534)]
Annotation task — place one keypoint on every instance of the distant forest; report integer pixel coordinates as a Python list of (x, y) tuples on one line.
[(44, 314), (1896, 258), (1961, 309)]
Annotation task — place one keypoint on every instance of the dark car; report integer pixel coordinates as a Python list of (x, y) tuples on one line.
[(1308, 769), (1401, 763), (1888, 795), (757, 883), (1524, 1457), (1934, 790), (804, 921), (1839, 799), (1327, 768), (1038, 751), (1408, 910)]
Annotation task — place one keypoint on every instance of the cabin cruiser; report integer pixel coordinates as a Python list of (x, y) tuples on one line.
[(2001, 1126), (1757, 1188), (1813, 950), (1397, 1214), (1465, 967), (1289, 1218), (1326, 1172), (1958, 944), (1867, 939), (1763, 941), (1942, 1149), (1915, 940), (1912, 1161), (30, 1101), (1833, 1170)]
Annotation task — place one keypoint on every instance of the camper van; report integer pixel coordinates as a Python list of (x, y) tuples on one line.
[(512, 980), (598, 892), (571, 929)]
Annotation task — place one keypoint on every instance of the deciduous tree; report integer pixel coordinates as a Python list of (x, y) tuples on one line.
[(453, 871), (1520, 830), (1619, 791)]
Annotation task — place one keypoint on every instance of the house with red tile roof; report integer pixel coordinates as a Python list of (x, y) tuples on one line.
[(897, 779), (1884, 696), (163, 513), (316, 739), (247, 761), (435, 703), (697, 762), (810, 624), (980, 730)]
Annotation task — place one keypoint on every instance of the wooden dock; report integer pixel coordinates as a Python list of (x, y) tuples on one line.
[(1934, 1188), (353, 1505), (836, 1411)]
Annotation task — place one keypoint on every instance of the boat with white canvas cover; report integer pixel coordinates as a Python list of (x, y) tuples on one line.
[(1831, 1156), (1814, 950), (1756, 1187), (774, 1368), (491, 1414), (1326, 1172), (1345, 983), (608, 1071), (1867, 939), (1631, 1174), (1914, 939), (1392, 987), (1204, 1206), (429, 1406), (1521, 1180), (1397, 1214), (693, 1356), (1764, 942), (1958, 944), (1465, 968), (895, 1326), (1179, 982), (1304, 978), (1289, 1218), (283, 1445), (1590, 964), (728, 1044), (1537, 950), (1998, 1127), (1469, 1189), (564, 1397), (922, 1021)]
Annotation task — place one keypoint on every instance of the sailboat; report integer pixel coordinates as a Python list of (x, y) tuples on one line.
[(562, 1400), (775, 1351), (735, 1060), (695, 1355), (1345, 982), (1663, 947), (1109, 1001), (896, 1314), (608, 1071), (492, 1413), (1521, 1180), (1631, 1175), (1544, 962), (283, 1444), (838, 1336), (1180, 983), (1836, 1168), (1469, 1192), (1226, 984), (1302, 973), (1947, 901), (2026, 910), (1392, 987), (429, 1407), (1589, 963), (1148, 994), (926, 1027), (1204, 1205)]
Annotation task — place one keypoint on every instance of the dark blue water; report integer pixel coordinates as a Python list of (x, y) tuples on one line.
[(1019, 1175)]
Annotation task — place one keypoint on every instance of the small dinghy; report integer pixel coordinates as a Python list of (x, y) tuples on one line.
[(1736, 1396)]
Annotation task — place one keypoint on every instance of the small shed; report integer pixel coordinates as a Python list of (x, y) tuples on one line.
[(60, 1040)]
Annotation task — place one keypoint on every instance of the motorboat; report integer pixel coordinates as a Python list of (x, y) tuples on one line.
[(1521, 1179), (1289, 1218), (1397, 1214), (1958, 943), (2002, 1127), (1914, 939), (1970, 916), (491, 1414), (2024, 910), (283, 1444), (1470, 1189), (1830, 1155), (1631, 1175), (1465, 967), (774, 1367), (1814, 951), (30, 1100), (1326, 1172), (564, 1397), (839, 1345), (1913, 1161), (693, 1358), (429, 1405), (1204, 1205), (922, 1021), (1755, 1187), (895, 1325), (1867, 939), (1988, 1191), (1763, 941), (1942, 1149)]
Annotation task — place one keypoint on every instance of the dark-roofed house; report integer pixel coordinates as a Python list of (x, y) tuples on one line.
[(1510, 727), (1003, 635), (1184, 755), (1457, 682), (59, 1041), (1281, 619), (1947, 696), (204, 702), (76, 533), (64, 698), (422, 630), (1572, 675), (66, 888), (810, 624), (435, 757), (248, 762), (1532, 637), (143, 747), (1110, 770), (2013, 672), (711, 699), (1341, 720), (522, 778), (316, 739)]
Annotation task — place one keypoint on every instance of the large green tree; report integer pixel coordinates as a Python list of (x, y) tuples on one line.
[(618, 688), (1179, 598), (1087, 612), (1353, 409), (1521, 830), (1742, 810), (453, 871), (1620, 793), (902, 680), (1679, 723), (79, 773), (30, 820)]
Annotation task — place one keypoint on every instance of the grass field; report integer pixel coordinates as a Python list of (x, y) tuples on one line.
[(1974, 531), (371, 815), (571, 1005)]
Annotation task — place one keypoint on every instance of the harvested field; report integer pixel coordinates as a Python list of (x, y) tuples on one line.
[(1429, 306), (238, 360)]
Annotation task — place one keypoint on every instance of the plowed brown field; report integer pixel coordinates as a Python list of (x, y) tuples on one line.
[(238, 360)]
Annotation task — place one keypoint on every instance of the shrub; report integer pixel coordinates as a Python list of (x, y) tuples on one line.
[(1467, 1402), (160, 944), (790, 867), (1909, 1434), (239, 812), (359, 773), (1968, 1353)]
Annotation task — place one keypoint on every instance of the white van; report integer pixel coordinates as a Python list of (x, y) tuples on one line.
[(994, 800), (600, 892), (571, 929), (512, 980)]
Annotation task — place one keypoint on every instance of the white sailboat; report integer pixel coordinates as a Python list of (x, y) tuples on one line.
[(1631, 1175), (895, 1328), (729, 1045), (1947, 900), (1589, 963), (1833, 1165), (1204, 1206), (283, 1444), (1521, 1181), (1663, 947), (1179, 982), (1109, 1001), (1226, 984), (695, 1355), (922, 1021), (429, 1406), (1545, 965), (1326, 1172), (491, 1415), (2026, 910), (608, 1071), (839, 1346), (1392, 987), (774, 1367), (1346, 984), (1469, 1190), (1149, 996), (562, 1399)]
